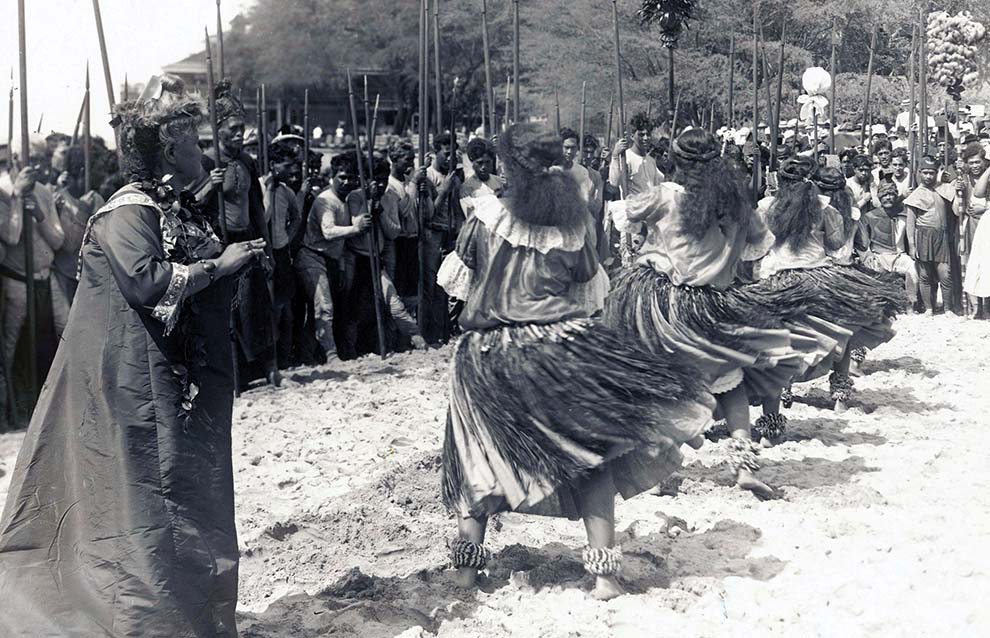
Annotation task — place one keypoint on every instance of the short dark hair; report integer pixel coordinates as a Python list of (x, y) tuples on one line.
[(590, 140), (848, 154), (567, 133), (862, 161), (343, 162), (640, 121), (899, 152), (442, 140), (480, 147), (883, 144), (398, 149), (281, 152), (971, 150)]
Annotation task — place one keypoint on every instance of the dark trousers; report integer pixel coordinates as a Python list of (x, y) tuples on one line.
[(355, 327), (284, 287), (437, 245), (933, 275)]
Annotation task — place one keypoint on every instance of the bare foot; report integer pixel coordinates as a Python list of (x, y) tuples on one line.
[(697, 442), (765, 442), (854, 369), (748, 481), (466, 577), (607, 588), (840, 406)]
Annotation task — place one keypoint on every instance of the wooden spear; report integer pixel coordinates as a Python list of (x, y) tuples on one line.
[(611, 112), (263, 132), (623, 170), (508, 87), (488, 132), (376, 282), (306, 135), (103, 53), (87, 140), (675, 116), (437, 74), (923, 80), (732, 81), (422, 197), (756, 106), (515, 61), (778, 104), (221, 203), (584, 94), (556, 103), (869, 84), (912, 136), (79, 119), (223, 69), (41, 120), (27, 206), (831, 99), (10, 122), (127, 91)]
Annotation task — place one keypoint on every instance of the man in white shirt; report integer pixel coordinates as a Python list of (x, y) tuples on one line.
[(642, 169)]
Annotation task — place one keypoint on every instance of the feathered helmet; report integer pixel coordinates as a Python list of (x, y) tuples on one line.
[(227, 105)]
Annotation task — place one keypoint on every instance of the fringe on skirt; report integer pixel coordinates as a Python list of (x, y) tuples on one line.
[(852, 297), (535, 408), (738, 334)]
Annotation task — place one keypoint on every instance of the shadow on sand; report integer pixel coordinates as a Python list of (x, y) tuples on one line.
[(377, 607)]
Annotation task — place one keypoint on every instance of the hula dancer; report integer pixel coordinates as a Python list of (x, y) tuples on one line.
[(677, 296), (550, 412), (843, 302)]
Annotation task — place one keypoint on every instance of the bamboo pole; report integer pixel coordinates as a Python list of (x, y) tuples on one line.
[(103, 53), (87, 141), (27, 205), (422, 197), (556, 103), (508, 87), (515, 61), (376, 282), (732, 82), (831, 100), (671, 108), (223, 69), (869, 84), (489, 94), (437, 73), (263, 132)]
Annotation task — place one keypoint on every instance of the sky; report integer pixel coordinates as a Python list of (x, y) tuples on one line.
[(142, 36)]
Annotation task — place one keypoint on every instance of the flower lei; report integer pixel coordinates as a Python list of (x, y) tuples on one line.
[(186, 239)]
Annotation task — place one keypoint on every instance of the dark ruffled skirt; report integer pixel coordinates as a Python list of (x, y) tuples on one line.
[(534, 408), (852, 297), (734, 336)]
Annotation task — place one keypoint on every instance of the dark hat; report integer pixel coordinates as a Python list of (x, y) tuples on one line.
[(928, 162), (830, 179)]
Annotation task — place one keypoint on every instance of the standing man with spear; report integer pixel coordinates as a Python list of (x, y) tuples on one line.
[(236, 175)]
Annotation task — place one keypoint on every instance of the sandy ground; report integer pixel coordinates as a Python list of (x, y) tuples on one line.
[(882, 530)]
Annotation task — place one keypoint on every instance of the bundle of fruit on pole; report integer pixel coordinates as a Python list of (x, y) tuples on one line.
[(953, 51), (671, 16)]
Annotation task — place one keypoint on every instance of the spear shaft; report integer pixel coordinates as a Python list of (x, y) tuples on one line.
[(376, 282), (223, 69), (831, 101), (437, 73), (515, 61), (423, 133), (306, 135), (87, 140), (584, 90), (103, 53), (27, 205), (488, 132), (869, 84)]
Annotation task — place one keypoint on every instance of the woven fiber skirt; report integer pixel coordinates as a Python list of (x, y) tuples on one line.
[(535, 408), (851, 297), (734, 336)]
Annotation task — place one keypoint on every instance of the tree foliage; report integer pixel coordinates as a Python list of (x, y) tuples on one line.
[(309, 43)]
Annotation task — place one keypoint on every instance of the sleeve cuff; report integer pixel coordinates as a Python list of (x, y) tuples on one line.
[(455, 277), (167, 309)]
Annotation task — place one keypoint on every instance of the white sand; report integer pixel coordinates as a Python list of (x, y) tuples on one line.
[(883, 530)]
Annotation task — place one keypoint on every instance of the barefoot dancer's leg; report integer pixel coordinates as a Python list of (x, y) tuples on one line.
[(597, 509), (840, 383), (473, 530), (735, 407)]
